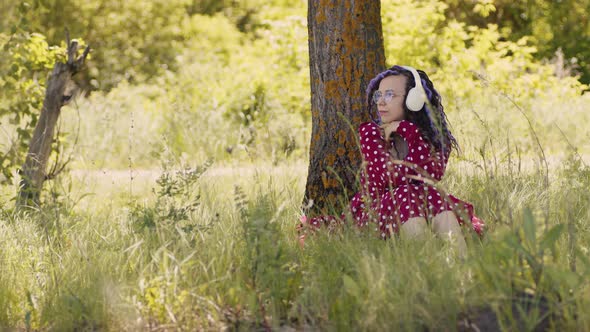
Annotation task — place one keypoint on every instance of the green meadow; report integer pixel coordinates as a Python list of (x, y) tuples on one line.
[(178, 208)]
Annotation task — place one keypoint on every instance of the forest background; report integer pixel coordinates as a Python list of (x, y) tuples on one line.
[(185, 101)]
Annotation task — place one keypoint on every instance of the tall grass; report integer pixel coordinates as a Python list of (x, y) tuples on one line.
[(232, 261), (191, 246)]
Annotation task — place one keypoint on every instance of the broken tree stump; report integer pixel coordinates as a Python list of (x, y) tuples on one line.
[(33, 171)]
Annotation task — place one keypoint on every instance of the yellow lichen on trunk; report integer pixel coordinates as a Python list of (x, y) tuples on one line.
[(346, 51)]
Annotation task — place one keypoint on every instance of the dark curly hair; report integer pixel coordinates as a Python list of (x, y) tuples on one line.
[(431, 119)]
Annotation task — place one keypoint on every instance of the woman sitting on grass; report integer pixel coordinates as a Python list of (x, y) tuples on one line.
[(405, 153)]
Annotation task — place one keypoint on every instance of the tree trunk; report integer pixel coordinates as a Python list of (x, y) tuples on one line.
[(33, 170), (345, 52)]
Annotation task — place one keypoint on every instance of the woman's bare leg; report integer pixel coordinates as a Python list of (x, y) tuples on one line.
[(447, 226), (414, 228)]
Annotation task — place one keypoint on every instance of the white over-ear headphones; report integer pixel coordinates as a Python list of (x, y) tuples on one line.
[(416, 96)]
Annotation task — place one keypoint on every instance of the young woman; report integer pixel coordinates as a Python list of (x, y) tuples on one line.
[(405, 152)]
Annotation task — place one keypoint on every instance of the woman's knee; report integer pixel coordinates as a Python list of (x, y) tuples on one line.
[(446, 225), (446, 222), (414, 227)]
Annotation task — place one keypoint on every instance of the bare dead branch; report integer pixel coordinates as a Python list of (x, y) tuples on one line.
[(34, 169)]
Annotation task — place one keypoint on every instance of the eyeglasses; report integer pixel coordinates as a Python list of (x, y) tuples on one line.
[(387, 96)]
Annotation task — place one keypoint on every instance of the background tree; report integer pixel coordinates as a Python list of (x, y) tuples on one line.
[(345, 52), (57, 95), (24, 68), (549, 24), (138, 41)]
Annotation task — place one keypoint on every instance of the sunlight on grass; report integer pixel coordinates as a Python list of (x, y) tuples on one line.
[(170, 239), (224, 254)]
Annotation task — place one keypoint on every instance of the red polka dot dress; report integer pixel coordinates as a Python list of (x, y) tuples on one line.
[(393, 191)]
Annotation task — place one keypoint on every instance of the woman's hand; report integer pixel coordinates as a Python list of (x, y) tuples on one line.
[(302, 231), (388, 128)]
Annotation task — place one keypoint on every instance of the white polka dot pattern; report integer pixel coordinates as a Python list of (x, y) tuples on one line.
[(389, 187)]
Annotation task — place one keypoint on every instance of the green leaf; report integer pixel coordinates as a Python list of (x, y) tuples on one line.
[(529, 227), (551, 236), (14, 69), (513, 242), (23, 8), (583, 258), (562, 277), (351, 286)]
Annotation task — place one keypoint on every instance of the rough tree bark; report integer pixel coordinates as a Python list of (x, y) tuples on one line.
[(345, 52), (33, 170)]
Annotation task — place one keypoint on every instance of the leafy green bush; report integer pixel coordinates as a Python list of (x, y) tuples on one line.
[(470, 55), (177, 197), (28, 60), (549, 24)]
